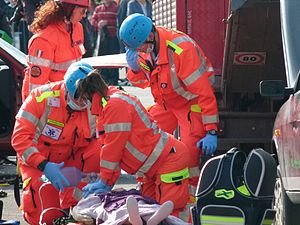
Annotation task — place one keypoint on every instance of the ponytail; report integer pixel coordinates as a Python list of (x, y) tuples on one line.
[(92, 84)]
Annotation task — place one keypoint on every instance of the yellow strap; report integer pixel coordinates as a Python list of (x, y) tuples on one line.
[(176, 48), (145, 66), (196, 108), (18, 168), (26, 182), (175, 176), (55, 123), (47, 94)]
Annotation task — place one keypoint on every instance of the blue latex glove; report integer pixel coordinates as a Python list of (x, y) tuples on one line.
[(208, 144), (132, 59), (95, 187), (53, 173)]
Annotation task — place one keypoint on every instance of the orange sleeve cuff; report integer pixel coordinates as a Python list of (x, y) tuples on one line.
[(35, 160), (110, 178), (211, 126)]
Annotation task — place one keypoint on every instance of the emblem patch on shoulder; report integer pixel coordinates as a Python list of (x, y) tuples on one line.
[(163, 85), (35, 71)]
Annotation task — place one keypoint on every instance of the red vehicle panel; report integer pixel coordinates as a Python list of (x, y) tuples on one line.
[(203, 20)]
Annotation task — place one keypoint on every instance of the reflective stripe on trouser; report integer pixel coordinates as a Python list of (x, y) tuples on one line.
[(177, 192), (32, 201), (191, 131)]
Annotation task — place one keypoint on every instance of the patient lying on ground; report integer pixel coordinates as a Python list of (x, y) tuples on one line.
[(124, 207)]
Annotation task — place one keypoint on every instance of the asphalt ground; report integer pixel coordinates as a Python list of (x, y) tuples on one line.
[(7, 171)]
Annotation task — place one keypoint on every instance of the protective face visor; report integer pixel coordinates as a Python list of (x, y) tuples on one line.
[(77, 104)]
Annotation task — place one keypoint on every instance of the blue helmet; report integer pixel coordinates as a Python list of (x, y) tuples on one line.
[(76, 72), (135, 30)]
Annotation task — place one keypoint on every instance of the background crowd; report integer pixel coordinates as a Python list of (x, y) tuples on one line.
[(100, 26)]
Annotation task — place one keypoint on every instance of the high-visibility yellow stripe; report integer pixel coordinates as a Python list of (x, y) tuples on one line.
[(26, 182), (48, 94), (103, 102), (177, 49), (210, 219), (145, 66), (196, 108), (175, 176), (267, 222), (55, 123)]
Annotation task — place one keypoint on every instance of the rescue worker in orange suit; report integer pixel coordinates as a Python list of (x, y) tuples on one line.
[(53, 130), (134, 143), (180, 77), (56, 44)]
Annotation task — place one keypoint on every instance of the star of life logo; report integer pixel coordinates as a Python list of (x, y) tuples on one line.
[(51, 132)]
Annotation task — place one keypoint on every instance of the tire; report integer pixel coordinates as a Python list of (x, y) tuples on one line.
[(287, 213), (278, 204)]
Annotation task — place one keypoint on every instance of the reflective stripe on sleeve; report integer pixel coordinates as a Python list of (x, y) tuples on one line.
[(92, 122), (154, 155), (175, 82), (115, 127), (203, 67), (194, 76), (33, 86), (143, 116), (109, 165), (42, 122), (210, 119), (39, 61), (150, 161), (50, 64), (136, 153), (28, 116), (29, 151)]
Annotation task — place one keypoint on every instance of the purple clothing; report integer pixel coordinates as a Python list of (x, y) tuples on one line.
[(93, 207), (115, 199)]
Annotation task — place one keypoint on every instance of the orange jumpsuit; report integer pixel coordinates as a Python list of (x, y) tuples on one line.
[(180, 80), (50, 53), (46, 130), (135, 144)]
